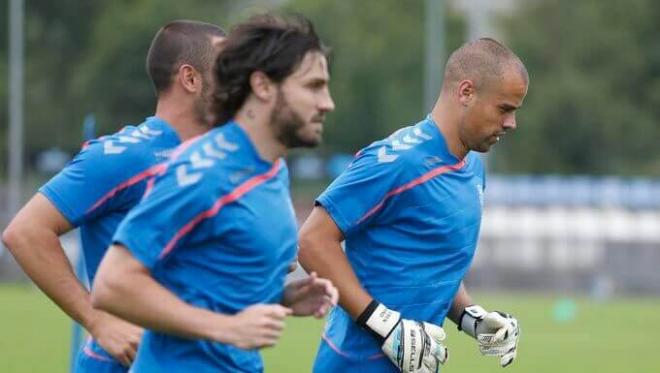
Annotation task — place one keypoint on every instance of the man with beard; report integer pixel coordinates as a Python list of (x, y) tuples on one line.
[(201, 262), (409, 209), (106, 179)]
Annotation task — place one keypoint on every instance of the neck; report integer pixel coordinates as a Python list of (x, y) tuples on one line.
[(256, 123), (446, 117), (181, 117)]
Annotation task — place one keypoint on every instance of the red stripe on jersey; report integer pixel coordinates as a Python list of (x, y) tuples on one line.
[(219, 204), (420, 180), (151, 171)]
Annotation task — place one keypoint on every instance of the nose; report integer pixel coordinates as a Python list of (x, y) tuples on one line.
[(326, 103), (510, 122)]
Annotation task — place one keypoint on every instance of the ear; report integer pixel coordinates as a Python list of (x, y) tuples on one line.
[(189, 78), (262, 87), (465, 91)]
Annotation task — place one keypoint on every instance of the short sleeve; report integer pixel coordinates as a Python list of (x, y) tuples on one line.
[(170, 211), (358, 194), (85, 187)]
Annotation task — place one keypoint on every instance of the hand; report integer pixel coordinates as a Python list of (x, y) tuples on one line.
[(257, 326), (293, 265), (496, 332), (310, 296), (117, 337), (412, 346)]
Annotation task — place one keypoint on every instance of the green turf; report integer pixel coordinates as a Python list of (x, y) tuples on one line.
[(612, 337)]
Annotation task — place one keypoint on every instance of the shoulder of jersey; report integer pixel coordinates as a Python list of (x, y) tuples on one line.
[(400, 146), (474, 161), (212, 154), (130, 141)]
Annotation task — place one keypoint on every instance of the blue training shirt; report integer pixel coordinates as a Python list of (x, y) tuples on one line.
[(102, 183), (410, 214), (218, 230)]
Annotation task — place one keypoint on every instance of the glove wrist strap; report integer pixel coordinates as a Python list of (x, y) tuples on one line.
[(379, 320), (470, 318)]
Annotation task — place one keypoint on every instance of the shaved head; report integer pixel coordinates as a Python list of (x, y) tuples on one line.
[(482, 61)]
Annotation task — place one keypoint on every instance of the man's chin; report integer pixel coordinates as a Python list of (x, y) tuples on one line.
[(483, 148)]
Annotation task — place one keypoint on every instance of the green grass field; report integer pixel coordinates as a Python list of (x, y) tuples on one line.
[(612, 337)]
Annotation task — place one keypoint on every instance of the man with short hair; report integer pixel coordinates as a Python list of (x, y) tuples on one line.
[(106, 179), (201, 261), (409, 209)]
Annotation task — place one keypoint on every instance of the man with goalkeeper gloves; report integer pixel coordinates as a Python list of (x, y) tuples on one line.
[(409, 210)]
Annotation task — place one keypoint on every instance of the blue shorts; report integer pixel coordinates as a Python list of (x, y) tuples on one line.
[(331, 360), (93, 359), (160, 352)]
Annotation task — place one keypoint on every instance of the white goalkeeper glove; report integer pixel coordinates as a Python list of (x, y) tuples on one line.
[(412, 346), (496, 332)]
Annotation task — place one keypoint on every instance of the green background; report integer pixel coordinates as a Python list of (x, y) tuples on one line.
[(602, 337)]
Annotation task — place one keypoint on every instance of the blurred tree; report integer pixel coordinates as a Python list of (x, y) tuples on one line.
[(56, 36), (376, 65), (88, 56), (593, 107), (112, 80), (594, 100)]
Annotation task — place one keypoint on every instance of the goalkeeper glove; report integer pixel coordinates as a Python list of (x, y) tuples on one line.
[(496, 332), (412, 346)]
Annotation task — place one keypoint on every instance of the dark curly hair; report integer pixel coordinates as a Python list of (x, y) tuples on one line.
[(274, 45)]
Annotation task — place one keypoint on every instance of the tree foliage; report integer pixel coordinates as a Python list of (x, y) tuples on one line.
[(377, 65), (594, 99), (593, 105)]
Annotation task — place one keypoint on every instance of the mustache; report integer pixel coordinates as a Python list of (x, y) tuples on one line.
[(318, 118)]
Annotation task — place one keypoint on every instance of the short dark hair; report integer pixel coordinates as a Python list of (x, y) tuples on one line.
[(272, 44), (482, 60), (180, 42)]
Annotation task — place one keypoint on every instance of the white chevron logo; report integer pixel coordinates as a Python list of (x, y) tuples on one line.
[(183, 178), (149, 132), (410, 140), (199, 162), (383, 157), (213, 152), (396, 145), (421, 134), (110, 148), (140, 135), (132, 140), (224, 144)]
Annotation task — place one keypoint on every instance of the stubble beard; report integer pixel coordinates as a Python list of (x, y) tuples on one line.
[(287, 124)]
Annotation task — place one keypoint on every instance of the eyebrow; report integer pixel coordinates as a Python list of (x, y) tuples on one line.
[(319, 80), (509, 107)]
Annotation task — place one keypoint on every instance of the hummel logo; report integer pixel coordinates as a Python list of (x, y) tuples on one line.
[(421, 134), (396, 145), (383, 157), (110, 148), (149, 132), (183, 178), (163, 154), (212, 152), (224, 144), (132, 140), (409, 140), (199, 162)]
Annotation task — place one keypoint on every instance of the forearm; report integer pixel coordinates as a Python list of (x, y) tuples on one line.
[(328, 260), (461, 300), (39, 253), (133, 295)]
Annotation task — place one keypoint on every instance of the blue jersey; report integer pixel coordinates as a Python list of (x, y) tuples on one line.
[(102, 183), (410, 214), (218, 230)]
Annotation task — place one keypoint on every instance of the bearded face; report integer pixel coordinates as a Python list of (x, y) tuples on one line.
[(291, 129)]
